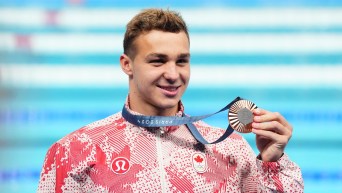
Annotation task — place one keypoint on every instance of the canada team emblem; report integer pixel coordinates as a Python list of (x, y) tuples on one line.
[(120, 165), (199, 162)]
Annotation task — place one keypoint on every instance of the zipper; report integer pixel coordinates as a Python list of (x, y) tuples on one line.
[(160, 160)]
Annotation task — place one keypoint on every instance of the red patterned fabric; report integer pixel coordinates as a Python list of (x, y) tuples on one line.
[(112, 155)]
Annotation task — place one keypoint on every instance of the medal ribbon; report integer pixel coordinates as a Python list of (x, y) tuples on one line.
[(162, 121)]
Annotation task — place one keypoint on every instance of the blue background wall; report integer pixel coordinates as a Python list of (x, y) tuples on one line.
[(59, 71)]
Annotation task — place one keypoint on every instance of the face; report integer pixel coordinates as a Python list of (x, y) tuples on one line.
[(159, 72)]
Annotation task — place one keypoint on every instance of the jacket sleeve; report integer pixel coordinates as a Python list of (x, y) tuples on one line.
[(280, 176), (55, 170), (47, 181)]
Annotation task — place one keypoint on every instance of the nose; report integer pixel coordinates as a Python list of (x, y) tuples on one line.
[(171, 72)]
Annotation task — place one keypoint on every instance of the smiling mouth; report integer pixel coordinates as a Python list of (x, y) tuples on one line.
[(169, 90)]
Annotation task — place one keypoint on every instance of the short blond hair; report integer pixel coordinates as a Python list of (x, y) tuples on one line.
[(148, 20)]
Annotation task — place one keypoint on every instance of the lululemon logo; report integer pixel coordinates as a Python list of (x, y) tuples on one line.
[(120, 165)]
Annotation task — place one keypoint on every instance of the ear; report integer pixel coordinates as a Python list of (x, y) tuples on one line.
[(126, 64)]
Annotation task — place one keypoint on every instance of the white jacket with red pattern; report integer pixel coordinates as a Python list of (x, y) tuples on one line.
[(112, 155)]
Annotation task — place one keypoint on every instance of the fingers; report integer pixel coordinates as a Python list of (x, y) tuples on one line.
[(274, 126), (265, 134), (263, 116), (271, 124)]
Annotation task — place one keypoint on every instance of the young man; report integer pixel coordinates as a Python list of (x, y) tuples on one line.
[(114, 155)]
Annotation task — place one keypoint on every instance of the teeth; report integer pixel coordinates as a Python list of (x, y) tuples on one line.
[(169, 88)]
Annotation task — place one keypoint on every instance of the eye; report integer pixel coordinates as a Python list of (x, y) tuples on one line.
[(157, 61), (183, 61)]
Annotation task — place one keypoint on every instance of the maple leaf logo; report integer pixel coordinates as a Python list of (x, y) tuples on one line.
[(198, 159)]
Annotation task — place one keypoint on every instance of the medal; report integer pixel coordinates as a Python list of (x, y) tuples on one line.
[(240, 116)]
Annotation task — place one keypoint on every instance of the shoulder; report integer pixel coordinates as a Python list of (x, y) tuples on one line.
[(94, 130), (86, 139)]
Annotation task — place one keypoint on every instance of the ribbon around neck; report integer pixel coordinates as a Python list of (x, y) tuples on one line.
[(162, 121)]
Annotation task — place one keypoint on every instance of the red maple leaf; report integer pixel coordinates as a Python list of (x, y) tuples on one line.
[(64, 157), (198, 159), (222, 168), (102, 175)]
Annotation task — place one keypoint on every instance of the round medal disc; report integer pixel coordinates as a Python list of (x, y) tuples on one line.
[(240, 116)]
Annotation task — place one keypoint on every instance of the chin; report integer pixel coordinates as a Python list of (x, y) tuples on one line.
[(167, 103)]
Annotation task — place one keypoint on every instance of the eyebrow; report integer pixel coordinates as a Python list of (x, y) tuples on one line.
[(187, 55), (159, 55)]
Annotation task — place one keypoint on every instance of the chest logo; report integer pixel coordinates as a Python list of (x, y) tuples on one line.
[(120, 165), (199, 162)]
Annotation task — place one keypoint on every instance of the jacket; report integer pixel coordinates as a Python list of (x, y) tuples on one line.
[(112, 155)]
